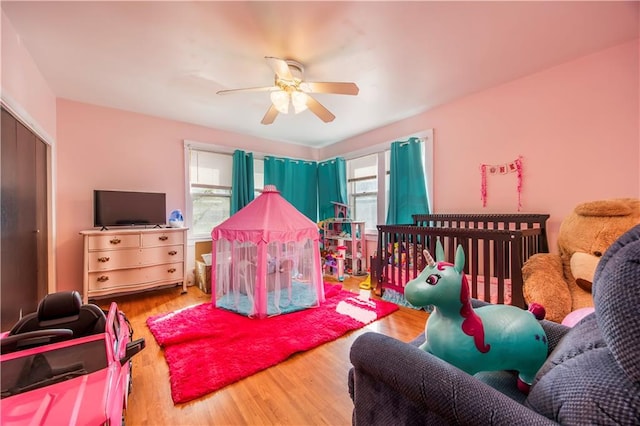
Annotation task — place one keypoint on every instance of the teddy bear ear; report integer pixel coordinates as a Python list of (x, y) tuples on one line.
[(612, 207)]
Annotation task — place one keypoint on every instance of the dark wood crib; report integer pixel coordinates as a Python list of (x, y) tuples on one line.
[(496, 246)]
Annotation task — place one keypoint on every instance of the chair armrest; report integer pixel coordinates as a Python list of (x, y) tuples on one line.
[(554, 332), (435, 387)]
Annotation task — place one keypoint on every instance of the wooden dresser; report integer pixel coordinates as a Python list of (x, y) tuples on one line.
[(130, 260)]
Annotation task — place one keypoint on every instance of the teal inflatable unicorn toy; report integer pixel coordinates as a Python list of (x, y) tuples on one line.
[(489, 338)]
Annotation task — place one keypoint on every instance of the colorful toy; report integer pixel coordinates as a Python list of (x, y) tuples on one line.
[(397, 254), (489, 338), (67, 363), (330, 263), (366, 283)]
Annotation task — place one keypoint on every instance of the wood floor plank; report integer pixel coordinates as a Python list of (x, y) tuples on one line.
[(309, 388)]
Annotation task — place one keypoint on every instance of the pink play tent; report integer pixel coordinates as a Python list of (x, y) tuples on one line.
[(266, 259)]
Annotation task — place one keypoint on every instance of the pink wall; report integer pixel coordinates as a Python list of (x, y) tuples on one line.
[(23, 88), (103, 148), (576, 126)]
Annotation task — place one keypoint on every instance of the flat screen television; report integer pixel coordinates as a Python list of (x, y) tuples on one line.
[(128, 208)]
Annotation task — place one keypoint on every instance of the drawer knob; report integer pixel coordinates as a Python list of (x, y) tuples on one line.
[(103, 259), (115, 241), (103, 278), (163, 238), (171, 270), (173, 253)]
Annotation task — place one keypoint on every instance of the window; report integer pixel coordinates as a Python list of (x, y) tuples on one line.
[(210, 181), (210, 177), (363, 188), (258, 176)]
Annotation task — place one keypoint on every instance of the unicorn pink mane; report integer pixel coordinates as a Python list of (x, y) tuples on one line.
[(472, 324)]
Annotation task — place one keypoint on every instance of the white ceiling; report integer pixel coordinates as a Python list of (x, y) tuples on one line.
[(169, 59)]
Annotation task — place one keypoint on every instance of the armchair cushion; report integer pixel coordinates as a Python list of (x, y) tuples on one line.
[(593, 375), (582, 384)]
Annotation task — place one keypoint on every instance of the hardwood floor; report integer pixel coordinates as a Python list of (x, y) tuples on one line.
[(309, 388)]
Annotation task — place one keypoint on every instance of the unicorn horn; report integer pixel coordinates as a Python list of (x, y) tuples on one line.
[(430, 260)]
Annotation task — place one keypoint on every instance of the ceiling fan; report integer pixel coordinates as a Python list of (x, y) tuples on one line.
[(291, 89)]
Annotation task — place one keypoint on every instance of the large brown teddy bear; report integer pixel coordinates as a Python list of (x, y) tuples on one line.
[(562, 282)]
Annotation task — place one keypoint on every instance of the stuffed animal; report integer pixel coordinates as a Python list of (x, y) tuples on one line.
[(562, 282), (488, 338)]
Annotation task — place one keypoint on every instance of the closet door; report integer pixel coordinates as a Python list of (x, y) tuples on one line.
[(24, 221)]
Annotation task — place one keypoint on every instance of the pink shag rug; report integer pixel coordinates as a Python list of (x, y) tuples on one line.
[(208, 348)]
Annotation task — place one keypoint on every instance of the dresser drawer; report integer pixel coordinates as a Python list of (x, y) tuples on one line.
[(109, 279), (113, 259), (131, 258), (153, 239), (102, 280), (155, 255), (113, 241), (169, 272)]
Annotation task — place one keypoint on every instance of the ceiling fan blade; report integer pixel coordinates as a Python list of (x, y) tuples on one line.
[(248, 89), (280, 67), (270, 116), (318, 109), (335, 87)]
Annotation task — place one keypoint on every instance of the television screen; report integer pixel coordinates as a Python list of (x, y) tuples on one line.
[(126, 208)]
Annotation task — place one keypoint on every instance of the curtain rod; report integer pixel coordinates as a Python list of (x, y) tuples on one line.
[(411, 139), (293, 160)]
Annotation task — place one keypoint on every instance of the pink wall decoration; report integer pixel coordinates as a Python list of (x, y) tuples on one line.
[(514, 166)]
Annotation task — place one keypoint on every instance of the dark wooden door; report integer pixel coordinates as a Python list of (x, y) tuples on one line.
[(24, 215)]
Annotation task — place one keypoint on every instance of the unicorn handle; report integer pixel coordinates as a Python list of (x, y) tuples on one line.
[(430, 261)]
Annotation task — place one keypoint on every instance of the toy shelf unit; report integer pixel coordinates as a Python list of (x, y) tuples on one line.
[(344, 240)]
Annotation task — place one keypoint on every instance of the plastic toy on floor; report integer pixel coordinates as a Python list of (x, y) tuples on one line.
[(366, 283), (489, 338), (330, 263)]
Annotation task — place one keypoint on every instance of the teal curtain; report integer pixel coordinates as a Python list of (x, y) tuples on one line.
[(297, 181), (242, 190), (332, 186), (407, 187)]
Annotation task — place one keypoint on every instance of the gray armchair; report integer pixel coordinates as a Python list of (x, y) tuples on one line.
[(591, 376)]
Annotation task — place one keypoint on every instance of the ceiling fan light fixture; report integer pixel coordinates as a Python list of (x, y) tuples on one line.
[(299, 101), (289, 88), (280, 100)]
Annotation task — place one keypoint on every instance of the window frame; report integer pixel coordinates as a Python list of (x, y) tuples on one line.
[(189, 198), (353, 196)]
